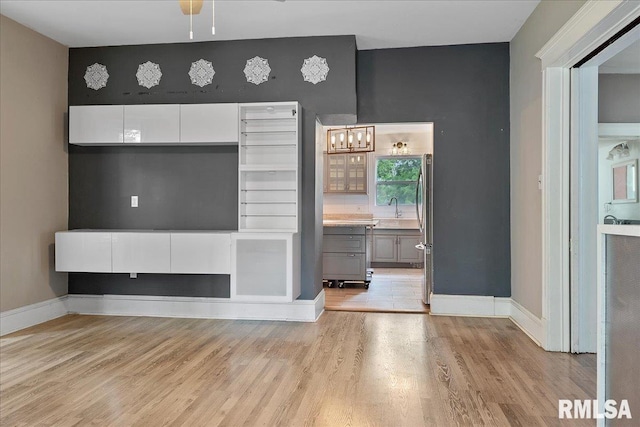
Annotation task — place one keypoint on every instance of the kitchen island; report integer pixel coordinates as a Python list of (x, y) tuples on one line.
[(346, 254)]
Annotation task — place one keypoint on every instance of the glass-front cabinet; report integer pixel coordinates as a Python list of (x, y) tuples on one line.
[(346, 173)]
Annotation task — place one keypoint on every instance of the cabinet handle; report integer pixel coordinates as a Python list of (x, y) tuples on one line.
[(352, 255)]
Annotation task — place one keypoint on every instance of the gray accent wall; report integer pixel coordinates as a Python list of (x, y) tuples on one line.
[(195, 188), (464, 90)]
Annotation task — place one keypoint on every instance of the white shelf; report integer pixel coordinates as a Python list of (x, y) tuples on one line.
[(267, 168), (269, 159)]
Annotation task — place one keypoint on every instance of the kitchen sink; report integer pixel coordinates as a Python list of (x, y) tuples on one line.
[(397, 223)]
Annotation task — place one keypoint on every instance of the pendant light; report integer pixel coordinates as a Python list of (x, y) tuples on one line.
[(356, 139), (193, 7)]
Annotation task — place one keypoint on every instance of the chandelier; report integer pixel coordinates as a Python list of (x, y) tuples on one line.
[(356, 139), (193, 7)]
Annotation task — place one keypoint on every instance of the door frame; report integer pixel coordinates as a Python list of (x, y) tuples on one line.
[(593, 24)]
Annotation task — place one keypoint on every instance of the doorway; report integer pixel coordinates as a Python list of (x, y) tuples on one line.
[(605, 142), (392, 244), (594, 24)]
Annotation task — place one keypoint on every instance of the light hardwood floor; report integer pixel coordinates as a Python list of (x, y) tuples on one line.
[(391, 290), (348, 369)]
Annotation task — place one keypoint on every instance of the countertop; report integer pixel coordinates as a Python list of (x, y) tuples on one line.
[(110, 230), (350, 222), (378, 223)]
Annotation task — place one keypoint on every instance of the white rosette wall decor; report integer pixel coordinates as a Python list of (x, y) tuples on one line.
[(257, 70), (315, 69), (201, 73), (96, 76), (149, 74)]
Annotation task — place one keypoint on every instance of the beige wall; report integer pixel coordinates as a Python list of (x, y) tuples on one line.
[(33, 164), (526, 149)]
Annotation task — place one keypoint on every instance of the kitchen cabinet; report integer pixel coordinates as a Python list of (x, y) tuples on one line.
[(396, 246), (265, 267), (346, 173), (96, 124), (344, 255), (83, 252), (208, 123), (152, 124), (269, 160)]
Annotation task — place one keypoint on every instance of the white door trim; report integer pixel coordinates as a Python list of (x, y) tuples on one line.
[(592, 25), (584, 207)]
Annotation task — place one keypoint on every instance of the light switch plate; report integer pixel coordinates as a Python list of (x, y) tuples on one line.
[(134, 201)]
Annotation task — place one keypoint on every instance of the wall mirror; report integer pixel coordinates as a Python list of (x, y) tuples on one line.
[(625, 181)]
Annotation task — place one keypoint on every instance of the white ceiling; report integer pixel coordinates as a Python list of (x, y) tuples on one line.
[(376, 24)]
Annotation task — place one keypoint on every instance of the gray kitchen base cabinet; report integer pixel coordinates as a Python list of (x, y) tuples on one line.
[(396, 246), (345, 255), (343, 266)]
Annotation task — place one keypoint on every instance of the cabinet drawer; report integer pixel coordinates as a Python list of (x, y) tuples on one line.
[(340, 266), (343, 243), (344, 230)]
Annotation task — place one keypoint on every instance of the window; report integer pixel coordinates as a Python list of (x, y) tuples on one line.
[(396, 177)]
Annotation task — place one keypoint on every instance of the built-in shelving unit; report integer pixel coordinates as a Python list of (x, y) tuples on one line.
[(269, 158)]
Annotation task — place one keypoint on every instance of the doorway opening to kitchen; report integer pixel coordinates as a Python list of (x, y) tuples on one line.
[(377, 234)]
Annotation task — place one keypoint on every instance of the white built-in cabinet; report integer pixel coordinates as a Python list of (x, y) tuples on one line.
[(269, 159), (96, 124), (177, 252), (265, 267), (208, 123), (154, 124), (83, 252), (143, 252), (263, 258), (266, 251), (201, 253)]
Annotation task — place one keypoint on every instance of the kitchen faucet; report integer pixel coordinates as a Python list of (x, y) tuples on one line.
[(613, 218), (391, 201)]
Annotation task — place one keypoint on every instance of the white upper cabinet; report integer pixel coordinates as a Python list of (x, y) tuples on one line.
[(96, 124), (209, 123), (152, 124)]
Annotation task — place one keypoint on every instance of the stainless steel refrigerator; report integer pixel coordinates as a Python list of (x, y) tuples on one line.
[(424, 212)]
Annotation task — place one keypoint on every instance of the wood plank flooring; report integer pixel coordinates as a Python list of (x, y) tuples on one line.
[(395, 290), (348, 369)]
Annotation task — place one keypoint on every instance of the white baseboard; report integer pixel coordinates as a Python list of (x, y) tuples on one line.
[(195, 307), (466, 305), (529, 323), (487, 306), (30, 315)]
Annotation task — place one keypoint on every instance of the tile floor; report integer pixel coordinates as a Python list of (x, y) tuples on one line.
[(391, 290)]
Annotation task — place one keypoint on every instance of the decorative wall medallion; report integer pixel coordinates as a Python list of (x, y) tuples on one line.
[(315, 69), (149, 74), (201, 73), (257, 70), (96, 76)]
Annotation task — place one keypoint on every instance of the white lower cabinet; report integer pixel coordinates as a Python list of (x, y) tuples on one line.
[(140, 252), (201, 253), (265, 267), (83, 252)]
